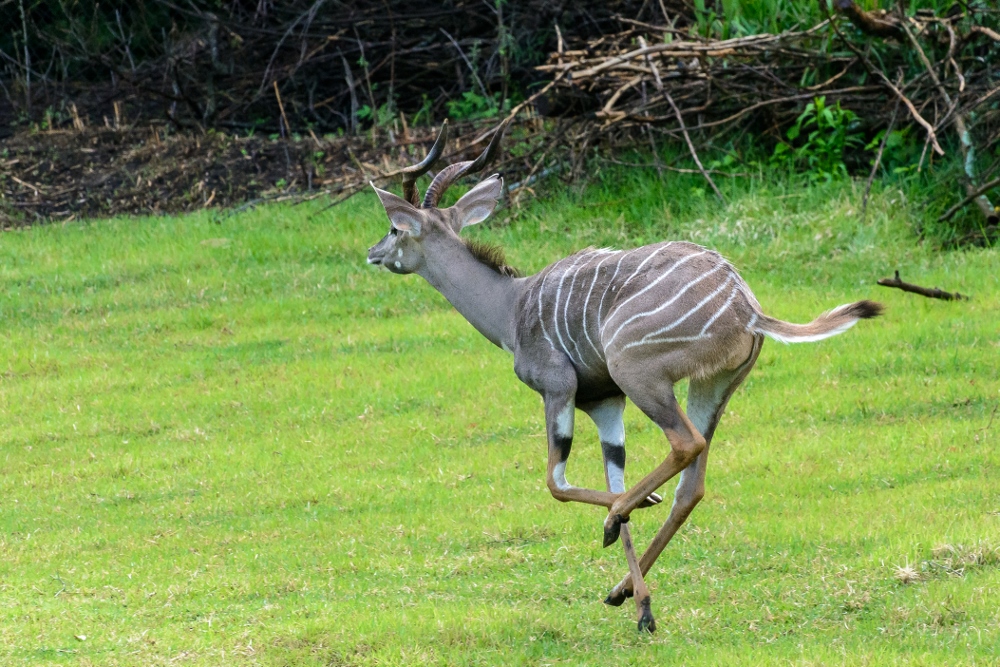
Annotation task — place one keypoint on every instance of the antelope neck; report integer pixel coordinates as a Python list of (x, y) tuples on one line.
[(484, 297)]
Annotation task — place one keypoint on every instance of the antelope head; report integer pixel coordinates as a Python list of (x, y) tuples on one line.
[(412, 224)]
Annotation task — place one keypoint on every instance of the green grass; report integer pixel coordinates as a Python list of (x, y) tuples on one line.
[(237, 444)]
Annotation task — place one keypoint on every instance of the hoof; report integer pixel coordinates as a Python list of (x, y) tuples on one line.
[(617, 599), (646, 621), (612, 531), (653, 499)]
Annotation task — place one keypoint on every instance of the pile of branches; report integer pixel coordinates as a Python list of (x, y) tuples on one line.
[(616, 74), (936, 73), (63, 175), (278, 67)]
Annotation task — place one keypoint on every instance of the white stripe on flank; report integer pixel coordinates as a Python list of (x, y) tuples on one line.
[(541, 317), (725, 306), (753, 321), (569, 299), (678, 339), (653, 284), (555, 309), (610, 284), (643, 262), (685, 316), (662, 306), (586, 332)]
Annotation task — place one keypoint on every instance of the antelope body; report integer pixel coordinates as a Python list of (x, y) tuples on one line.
[(594, 328)]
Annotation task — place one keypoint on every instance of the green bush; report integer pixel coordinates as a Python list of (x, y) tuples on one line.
[(828, 131)]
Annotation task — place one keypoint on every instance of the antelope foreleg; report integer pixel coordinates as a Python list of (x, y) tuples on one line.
[(559, 414)]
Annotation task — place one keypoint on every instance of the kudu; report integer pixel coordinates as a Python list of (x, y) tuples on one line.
[(597, 327)]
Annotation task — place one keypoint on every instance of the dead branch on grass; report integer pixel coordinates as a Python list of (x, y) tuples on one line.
[(931, 293)]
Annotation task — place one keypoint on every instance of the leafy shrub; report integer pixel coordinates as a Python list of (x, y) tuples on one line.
[(829, 131), (472, 105)]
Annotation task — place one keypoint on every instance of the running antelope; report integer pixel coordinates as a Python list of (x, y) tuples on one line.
[(597, 327)]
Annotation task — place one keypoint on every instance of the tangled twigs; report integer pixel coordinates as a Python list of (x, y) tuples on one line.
[(956, 113), (878, 161), (680, 121), (964, 138), (931, 293), (876, 72), (993, 218)]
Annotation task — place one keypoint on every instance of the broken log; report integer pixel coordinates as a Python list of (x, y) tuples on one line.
[(932, 293)]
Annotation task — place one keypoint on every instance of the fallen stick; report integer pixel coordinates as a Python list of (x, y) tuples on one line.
[(934, 293)]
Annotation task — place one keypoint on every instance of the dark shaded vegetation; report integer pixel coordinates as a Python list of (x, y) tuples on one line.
[(337, 65), (162, 106)]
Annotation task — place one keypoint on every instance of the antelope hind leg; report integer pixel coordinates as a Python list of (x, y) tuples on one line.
[(690, 491), (686, 444), (707, 400)]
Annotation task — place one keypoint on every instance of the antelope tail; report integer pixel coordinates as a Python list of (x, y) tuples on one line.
[(831, 323)]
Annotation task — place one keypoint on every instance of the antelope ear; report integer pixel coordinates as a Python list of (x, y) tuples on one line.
[(403, 215), (477, 204)]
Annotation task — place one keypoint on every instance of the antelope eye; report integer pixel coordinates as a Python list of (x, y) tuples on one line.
[(393, 231)]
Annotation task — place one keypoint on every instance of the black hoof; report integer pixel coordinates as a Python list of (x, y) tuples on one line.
[(615, 600), (646, 621), (611, 533)]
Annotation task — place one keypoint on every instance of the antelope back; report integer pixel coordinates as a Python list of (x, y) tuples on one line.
[(600, 304)]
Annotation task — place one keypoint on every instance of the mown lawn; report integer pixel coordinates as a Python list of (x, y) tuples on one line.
[(229, 441)]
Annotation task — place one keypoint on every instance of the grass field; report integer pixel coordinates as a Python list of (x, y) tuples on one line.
[(234, 443)]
